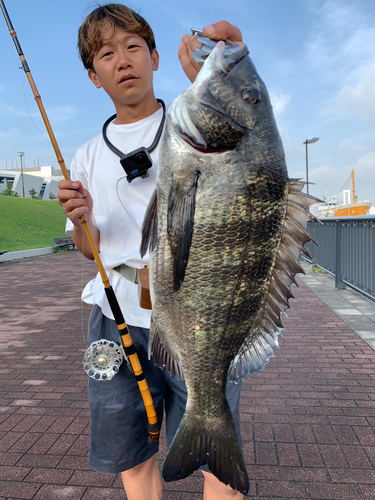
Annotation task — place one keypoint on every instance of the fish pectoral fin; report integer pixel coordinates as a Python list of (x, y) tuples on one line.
[(150, 226), (162, 355), (181, 209)]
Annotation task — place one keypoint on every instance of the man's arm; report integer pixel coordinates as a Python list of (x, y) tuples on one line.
[(218, 31), (76, 201)]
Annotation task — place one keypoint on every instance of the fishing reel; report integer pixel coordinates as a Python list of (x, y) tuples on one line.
[(103, 359)]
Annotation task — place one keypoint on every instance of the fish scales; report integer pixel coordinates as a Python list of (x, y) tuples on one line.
[(225, 231)]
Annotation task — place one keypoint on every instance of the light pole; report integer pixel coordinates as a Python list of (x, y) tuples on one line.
[(308, 141), (20, 154)]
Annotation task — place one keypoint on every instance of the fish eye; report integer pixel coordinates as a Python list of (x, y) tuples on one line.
[(250, 95)]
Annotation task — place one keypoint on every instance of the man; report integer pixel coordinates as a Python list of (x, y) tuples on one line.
[(117, 48)]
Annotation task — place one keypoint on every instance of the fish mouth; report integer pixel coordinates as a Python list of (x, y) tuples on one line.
[(198, 147)]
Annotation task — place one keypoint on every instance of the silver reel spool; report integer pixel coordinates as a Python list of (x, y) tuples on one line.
[(103, 359)]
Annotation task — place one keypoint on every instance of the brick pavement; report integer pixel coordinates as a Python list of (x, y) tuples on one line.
[(307, 421)]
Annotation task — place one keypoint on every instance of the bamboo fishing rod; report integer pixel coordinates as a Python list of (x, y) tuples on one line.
[(153, 426)]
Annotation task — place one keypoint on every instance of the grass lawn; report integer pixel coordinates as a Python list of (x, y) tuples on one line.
[(27, 223)]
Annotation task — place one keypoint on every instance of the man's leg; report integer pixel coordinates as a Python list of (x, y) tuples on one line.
[(143, 482), (216, 490)]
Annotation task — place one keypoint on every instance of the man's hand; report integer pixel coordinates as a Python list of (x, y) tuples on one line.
[(218, 31), (75, 201)]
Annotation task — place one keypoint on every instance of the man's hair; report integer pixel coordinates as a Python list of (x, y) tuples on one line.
[(90, 37)]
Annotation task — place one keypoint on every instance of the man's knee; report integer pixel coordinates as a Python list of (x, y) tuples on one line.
[(141, 469)]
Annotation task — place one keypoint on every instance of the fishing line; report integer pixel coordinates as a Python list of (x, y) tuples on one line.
[(82, 287), (31, 118), (27, 107)]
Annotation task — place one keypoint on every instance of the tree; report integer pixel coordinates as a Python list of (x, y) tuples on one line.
[(32, 194), (9, 190), (52, 196)]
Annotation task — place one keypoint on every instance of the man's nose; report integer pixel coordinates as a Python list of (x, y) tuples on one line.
[(123, 60)]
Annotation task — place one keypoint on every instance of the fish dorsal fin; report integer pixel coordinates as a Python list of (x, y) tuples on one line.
[(262, 341), (150, 226), (162, 355)]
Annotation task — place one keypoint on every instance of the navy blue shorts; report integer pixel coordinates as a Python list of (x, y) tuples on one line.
[(118, 432)]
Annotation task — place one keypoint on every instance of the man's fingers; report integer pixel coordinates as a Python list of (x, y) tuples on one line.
[(74, 208), (187, 46), (223, 30), (68, 184)]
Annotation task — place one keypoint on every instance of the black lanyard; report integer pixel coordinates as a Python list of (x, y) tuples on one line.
[(137, 162)]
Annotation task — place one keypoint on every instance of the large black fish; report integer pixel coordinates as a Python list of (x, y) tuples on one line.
[(225, 229)]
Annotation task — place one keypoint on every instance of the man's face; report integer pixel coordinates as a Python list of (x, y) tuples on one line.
[(124, 67)]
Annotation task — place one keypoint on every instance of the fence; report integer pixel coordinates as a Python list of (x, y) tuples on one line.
[(346, 248)]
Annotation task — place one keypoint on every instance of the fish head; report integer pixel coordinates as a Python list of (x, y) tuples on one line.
[(226, 105)]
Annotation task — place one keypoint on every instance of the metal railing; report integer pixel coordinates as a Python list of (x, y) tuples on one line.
[(346, 249)]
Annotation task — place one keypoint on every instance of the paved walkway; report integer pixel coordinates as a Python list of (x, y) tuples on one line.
[(308, 421)]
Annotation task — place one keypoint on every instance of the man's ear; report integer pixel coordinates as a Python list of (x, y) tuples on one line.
[(94, 78), (155, 60)]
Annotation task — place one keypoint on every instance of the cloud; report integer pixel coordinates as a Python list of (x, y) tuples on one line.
[(8, 134), (13, 110), (349, 145), (336, 177), (62, 113), (168, 84), (340, 57), (365, 167), (359, 99), (279, 100), (55, 113), (341, 42)]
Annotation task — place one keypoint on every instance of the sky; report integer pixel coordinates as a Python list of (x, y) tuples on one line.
[(316, 57)]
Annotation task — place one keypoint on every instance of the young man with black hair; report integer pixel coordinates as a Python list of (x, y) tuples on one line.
[(117, 48)]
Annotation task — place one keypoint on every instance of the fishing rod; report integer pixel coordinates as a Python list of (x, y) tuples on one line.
[(153, 428)]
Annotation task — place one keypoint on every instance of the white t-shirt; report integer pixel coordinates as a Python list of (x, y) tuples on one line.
[(99, 168)]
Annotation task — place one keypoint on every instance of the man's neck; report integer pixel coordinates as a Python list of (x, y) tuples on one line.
[(132, 113)]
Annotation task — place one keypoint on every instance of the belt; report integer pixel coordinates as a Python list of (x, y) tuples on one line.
[(130, 273)]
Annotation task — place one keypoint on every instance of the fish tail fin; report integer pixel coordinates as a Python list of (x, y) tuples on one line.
[(218, 447)]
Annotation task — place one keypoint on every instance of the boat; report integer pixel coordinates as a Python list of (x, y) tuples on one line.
[(344, 204)]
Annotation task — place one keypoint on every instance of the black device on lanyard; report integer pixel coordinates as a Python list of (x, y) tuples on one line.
[(137, 162)]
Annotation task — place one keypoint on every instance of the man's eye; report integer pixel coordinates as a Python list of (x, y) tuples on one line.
[(106, 54), (133, 46)]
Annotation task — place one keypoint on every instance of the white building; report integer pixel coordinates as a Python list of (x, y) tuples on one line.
[(43, 179)]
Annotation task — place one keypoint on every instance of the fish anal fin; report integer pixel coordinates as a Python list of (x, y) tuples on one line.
[(150, 226), (256, 352), (181, 209)]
